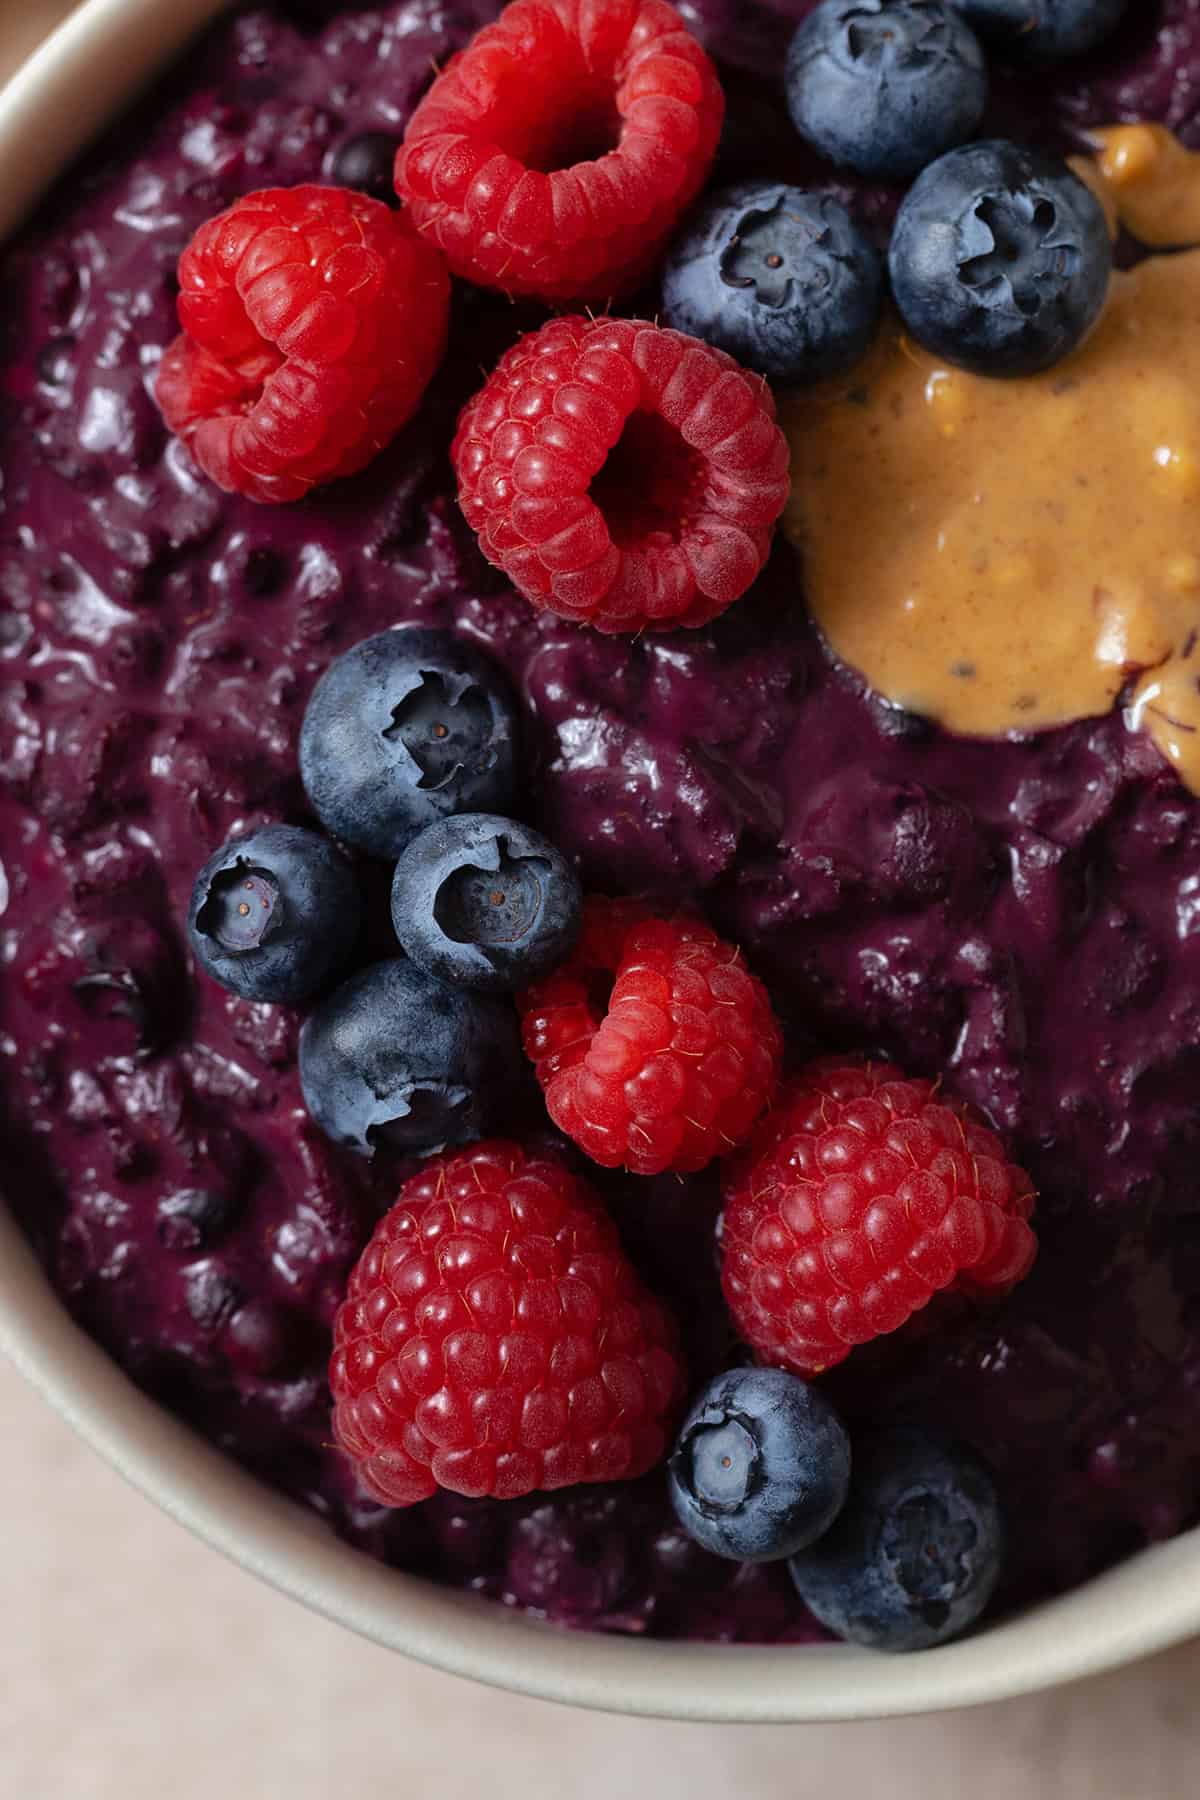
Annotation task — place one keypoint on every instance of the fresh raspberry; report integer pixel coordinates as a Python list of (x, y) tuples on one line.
[(313, 318), (861, 1195), (623, 476), (556, 154), (495, 1338), (673, 1065)]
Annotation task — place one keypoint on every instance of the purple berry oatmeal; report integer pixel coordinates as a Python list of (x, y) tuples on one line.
[(1020, 916)]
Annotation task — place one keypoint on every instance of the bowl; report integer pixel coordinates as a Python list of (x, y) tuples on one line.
[(77, 81)]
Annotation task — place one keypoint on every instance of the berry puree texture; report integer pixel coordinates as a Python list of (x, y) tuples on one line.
[(1019, 917)]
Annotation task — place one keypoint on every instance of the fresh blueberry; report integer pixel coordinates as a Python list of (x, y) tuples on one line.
[(917, 1551), (782, 279), (404, 729), (485, 902), (884, 86), (1000, 259), (761, 1466), (365, 161), (275, 914), (1043, 31), (394, 1057)]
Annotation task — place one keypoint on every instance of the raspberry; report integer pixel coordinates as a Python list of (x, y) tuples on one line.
[(312, 319), (683, 1060), (556, 154), (623, 476), (495, 1338), (861, 1196)]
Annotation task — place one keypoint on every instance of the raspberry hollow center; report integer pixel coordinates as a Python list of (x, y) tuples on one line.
[(650, 483), (571, 123), (553, 112)]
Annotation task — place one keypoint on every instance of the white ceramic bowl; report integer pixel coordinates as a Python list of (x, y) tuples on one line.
[(75, 83)]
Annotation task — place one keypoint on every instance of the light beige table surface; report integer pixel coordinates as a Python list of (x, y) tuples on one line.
[(137, 1665)]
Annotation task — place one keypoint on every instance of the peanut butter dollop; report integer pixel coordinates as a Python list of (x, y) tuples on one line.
[(1003, 556)]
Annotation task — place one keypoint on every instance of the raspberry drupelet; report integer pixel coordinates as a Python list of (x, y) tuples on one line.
[(313, 318), (495, 1338), (555, 155), (623, 476), (673, 1068), (860, 1196)]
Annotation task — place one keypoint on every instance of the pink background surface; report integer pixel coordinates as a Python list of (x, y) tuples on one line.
[(135, 1663)]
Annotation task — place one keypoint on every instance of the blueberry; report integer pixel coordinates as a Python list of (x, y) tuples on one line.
[(916, 1554), (782, 279), (404, 729), (394, 1057), (1000, 259), (265, 1340), (1043, 31), (365, 161), (194, 1218), (884, 86), (55, 362), (574, 1558), (486, 902), (275, 914), (263, 570), (761, 1466), (131, 988), (210, 1295)]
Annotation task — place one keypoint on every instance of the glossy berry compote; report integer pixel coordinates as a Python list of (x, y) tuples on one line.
[(1020, 919)]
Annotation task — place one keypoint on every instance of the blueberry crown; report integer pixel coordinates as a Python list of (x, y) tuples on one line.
[(1030, 257)]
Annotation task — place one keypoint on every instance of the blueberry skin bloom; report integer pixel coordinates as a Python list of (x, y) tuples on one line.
[(781, 279), (884, 86), (1043, 31), (916, 1553), (274, 914), (404, 729), (485, 902), (761, 1466), (1000, 259), (396, 1058)]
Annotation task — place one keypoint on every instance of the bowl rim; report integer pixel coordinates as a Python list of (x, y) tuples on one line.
[(78, 80)]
